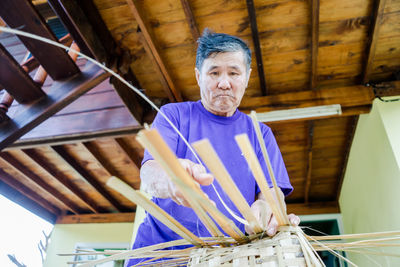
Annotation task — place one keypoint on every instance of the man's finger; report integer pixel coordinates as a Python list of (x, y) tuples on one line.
[(204, 178), (293, 219), (272, 226)]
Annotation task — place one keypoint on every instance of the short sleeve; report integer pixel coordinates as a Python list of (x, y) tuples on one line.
[(275, 156), (165, 129)]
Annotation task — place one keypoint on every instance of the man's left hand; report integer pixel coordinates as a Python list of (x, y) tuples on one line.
[(263, 213)]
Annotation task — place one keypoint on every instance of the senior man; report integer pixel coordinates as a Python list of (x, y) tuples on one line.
[(222, 72)]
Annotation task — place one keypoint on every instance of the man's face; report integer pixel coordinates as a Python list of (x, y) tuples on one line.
[(223, 79)]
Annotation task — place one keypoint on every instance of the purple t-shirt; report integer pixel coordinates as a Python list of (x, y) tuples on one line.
[(196, 123)]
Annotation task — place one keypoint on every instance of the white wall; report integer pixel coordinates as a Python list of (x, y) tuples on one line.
[(370, 196), (65, 237)]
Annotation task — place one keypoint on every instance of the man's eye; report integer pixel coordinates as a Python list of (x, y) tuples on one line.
[(234, 73), (214, 73)]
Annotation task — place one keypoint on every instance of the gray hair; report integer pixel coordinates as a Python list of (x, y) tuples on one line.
[(211, 42)]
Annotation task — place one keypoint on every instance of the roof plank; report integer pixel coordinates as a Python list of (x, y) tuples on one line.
[(54, 59), (61, 94), (16, 81)]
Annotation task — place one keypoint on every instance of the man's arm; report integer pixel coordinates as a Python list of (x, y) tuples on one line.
[(156, 182), (263, 213)]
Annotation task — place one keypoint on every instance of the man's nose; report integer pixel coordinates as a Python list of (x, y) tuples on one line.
[(224, 82)]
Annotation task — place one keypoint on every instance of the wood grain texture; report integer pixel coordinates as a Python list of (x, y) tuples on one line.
[(54, 59), (16, 80), (61, 95)]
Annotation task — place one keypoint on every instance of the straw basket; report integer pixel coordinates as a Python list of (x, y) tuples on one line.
[(282, 250)]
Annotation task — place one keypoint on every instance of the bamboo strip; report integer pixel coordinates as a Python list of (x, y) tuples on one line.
[(355, 236), (268, 162), (154, 143), (139, 251), (251, 158), (138, 198), (213, 162)]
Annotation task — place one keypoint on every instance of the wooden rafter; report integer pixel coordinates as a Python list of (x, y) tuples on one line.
[(310, 137), (130, 99), (129, 152), (28, 192), (373, 38), (69, 25), (31, 205), (194, 29), (60, 176), (87, 30), (54, 59), (97, 218), (102, 161), (173, 93), (61, 94), (86, 25), (349, 142), (347, 97), (257, 47), (19, 168), (313, 208), (85, 175), (314, 42), (16, 81), (84, 137)]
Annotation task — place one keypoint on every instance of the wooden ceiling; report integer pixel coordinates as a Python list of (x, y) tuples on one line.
[(57, 156)]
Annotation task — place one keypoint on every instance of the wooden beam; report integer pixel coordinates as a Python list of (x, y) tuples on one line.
[(22, 14), (29, 204), (64, 180), (85, 22), (194, 29), (130, 99), (75, 17), (89, 178), (22, 170), (257, 48), (314, 42), (387, 89), (29, 193), (351, 96), (91, 148), (67, 139), (373, 38), (349, 142), (97, 218), (16, 81), (313, 208), (309, 163), (154, 50), (129, 152), (61, 94), (66, 21)]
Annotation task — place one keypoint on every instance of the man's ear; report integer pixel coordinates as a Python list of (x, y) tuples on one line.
[(248, 77), (197, 73)]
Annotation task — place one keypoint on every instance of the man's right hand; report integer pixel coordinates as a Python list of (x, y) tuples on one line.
[(157, 183)]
